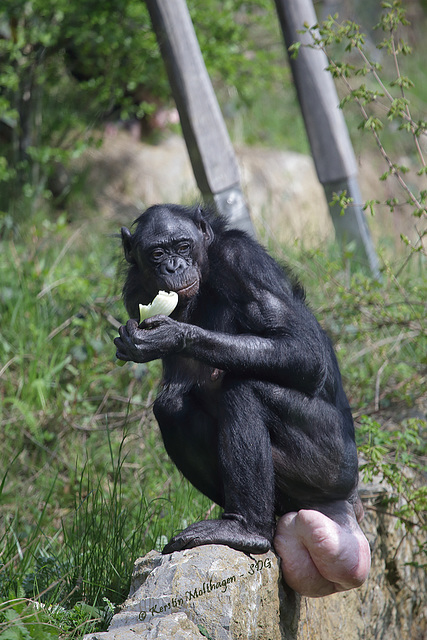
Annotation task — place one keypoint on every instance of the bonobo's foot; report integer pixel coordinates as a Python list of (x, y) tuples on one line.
[(322, 554), (229, 532)]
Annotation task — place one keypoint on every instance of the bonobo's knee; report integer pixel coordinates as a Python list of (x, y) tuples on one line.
[(338, 471), (249, 397), (348, 477), (168, 408)]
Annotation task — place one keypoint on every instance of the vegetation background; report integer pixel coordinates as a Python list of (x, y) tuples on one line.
[(85, 484)]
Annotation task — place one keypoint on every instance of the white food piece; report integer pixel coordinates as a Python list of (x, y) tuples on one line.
[(164, 303)]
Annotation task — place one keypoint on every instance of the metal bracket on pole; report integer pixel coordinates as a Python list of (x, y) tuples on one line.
[(231, 204)]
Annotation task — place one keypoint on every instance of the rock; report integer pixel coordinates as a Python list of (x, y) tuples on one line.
[(222, 594), (176, 626), (212, 589), (286, 199)]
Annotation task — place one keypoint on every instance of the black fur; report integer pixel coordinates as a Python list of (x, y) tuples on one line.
[(251, 406)]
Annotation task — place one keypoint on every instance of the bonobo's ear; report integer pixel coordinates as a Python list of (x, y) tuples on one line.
[(204, 226), (127, 244)]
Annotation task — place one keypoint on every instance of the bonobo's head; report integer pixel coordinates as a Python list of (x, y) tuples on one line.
[(167, 252)]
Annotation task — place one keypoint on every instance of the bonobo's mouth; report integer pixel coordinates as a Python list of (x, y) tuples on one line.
[(188, 289)]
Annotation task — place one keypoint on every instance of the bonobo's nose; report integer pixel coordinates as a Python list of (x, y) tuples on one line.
[(173, 264)]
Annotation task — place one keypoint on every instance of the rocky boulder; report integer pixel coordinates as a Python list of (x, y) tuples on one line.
[(222, 594), (213, 590)]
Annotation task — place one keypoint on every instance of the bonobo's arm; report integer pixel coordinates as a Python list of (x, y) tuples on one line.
[(295, 358), (283, 358)]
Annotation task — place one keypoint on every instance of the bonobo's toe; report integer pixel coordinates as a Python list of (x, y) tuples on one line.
[(227, 532)]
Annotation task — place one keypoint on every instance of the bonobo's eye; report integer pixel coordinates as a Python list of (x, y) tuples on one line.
[(183, 248), (157, 254)]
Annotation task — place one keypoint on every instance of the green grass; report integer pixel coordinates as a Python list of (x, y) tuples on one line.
[(86, 486)]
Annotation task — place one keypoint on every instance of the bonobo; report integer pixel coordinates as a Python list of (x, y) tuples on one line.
[(251, 406)]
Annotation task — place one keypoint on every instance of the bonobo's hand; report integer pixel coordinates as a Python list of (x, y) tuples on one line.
[(155, 338)]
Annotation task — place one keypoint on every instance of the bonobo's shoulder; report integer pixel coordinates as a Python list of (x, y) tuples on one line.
[(233, 246), (242, 260)]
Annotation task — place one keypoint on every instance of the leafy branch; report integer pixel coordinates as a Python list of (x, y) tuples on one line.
[(396, 459), (330, 33)]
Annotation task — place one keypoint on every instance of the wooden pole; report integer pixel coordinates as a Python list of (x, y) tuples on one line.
[(211, 153), (326, 128)]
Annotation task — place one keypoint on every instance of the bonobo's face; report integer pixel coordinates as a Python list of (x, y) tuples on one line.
[(170, 251)]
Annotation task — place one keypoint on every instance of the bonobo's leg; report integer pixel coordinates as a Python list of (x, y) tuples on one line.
[(246, 457), (246, 471), (322, 552), (190, 436), (314, 454), (320, 543)]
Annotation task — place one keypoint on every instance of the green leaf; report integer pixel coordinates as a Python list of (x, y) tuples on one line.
[(369, 204), (294, 50), (373, 123), (402, 81)]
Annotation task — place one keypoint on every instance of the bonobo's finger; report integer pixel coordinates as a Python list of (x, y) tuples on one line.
[(118, 342), (121, 350), (131, 326), (126, 337), (121, 356), (153, 322), (123, 332), (121, 345)]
